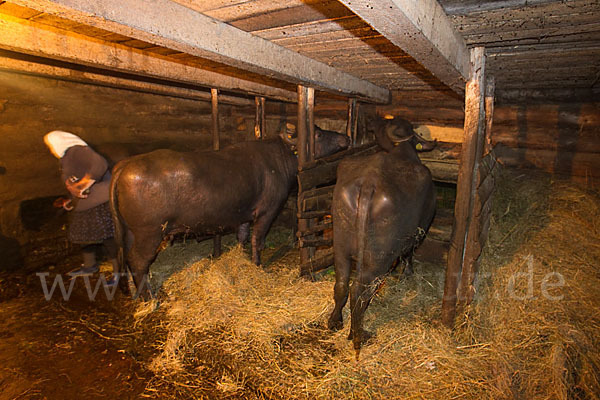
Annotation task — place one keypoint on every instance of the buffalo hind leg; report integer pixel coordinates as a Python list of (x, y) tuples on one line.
[(122, 260), (408, 264), (217, 246), (243, 233), (142, 253), (360, 296), (259, 232), (343, 267)]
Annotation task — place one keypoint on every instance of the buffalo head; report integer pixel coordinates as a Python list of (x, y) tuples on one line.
[(392, 132), (326, 142)]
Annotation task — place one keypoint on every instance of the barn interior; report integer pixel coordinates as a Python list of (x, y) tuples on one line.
[(130, 76)]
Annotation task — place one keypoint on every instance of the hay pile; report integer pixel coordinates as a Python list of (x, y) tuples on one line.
[(235, 330), (540, 304)]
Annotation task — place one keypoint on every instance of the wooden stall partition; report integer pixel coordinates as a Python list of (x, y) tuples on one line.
[(471, 150), (216, 140), (316, 181)]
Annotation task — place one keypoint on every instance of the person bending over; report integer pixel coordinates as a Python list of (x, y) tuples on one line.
[(86, 176)]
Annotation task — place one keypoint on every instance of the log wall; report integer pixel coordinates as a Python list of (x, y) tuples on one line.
[(562, 139), (558, 138), (31, 106)]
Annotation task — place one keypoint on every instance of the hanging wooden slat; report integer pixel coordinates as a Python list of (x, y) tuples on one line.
[(323, 171), (259, 119), (314, 242), (307, 194), (314, 229), (490, 88), (352, 122), (214, 99), (312, 214), (317, 203), (310, 116)]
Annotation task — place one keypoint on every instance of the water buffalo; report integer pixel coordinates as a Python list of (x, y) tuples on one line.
[(208, 192), (382, 206)]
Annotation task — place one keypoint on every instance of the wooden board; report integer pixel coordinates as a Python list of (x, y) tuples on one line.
[(422, 29), (26, 37), (208, 38)]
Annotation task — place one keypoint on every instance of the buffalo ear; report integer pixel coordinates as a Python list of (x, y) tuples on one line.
[(424, 145), (288, 140), (402, 130)]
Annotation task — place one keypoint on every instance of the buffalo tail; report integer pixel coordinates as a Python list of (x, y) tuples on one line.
[(117, 221), (362, 215)]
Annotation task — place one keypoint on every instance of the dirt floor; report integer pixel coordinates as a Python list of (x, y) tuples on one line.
[(61, 349), (69, 349)]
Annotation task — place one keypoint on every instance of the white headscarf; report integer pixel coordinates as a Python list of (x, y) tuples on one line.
[(59, 141)]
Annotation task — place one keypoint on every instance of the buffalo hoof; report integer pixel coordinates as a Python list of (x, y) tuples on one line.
[(364, 337), (145, 294), (335, 324), (124, 285)]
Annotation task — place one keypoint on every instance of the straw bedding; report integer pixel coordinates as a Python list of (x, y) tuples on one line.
[(229, 329)]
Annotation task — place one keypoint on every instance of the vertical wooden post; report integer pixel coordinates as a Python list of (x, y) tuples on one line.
[(216, 144), (302, 128), (305, 153), (480, 214), (259, 118), (471, 149), (352, 122)]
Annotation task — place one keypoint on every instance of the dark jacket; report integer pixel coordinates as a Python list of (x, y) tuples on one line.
[(79, 161)]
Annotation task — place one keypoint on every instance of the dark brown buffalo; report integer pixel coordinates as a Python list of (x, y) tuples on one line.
[(382, 206), (208, 192)]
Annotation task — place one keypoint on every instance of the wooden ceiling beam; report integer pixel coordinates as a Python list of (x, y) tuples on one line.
[(169, 24), (422, 29), (25, 37)]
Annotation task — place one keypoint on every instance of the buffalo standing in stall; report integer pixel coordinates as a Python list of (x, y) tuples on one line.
[(382, 206), (165, 192)]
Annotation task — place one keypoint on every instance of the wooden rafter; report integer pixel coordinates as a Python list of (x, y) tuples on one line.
[(171, 25), (26, 37), (422, 29)]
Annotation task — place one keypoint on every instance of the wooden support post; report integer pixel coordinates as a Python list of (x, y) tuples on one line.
[(305, 130), (302, 128), (465, 191), (216, 144), (259, 119), (352, 122), (481, 209)]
